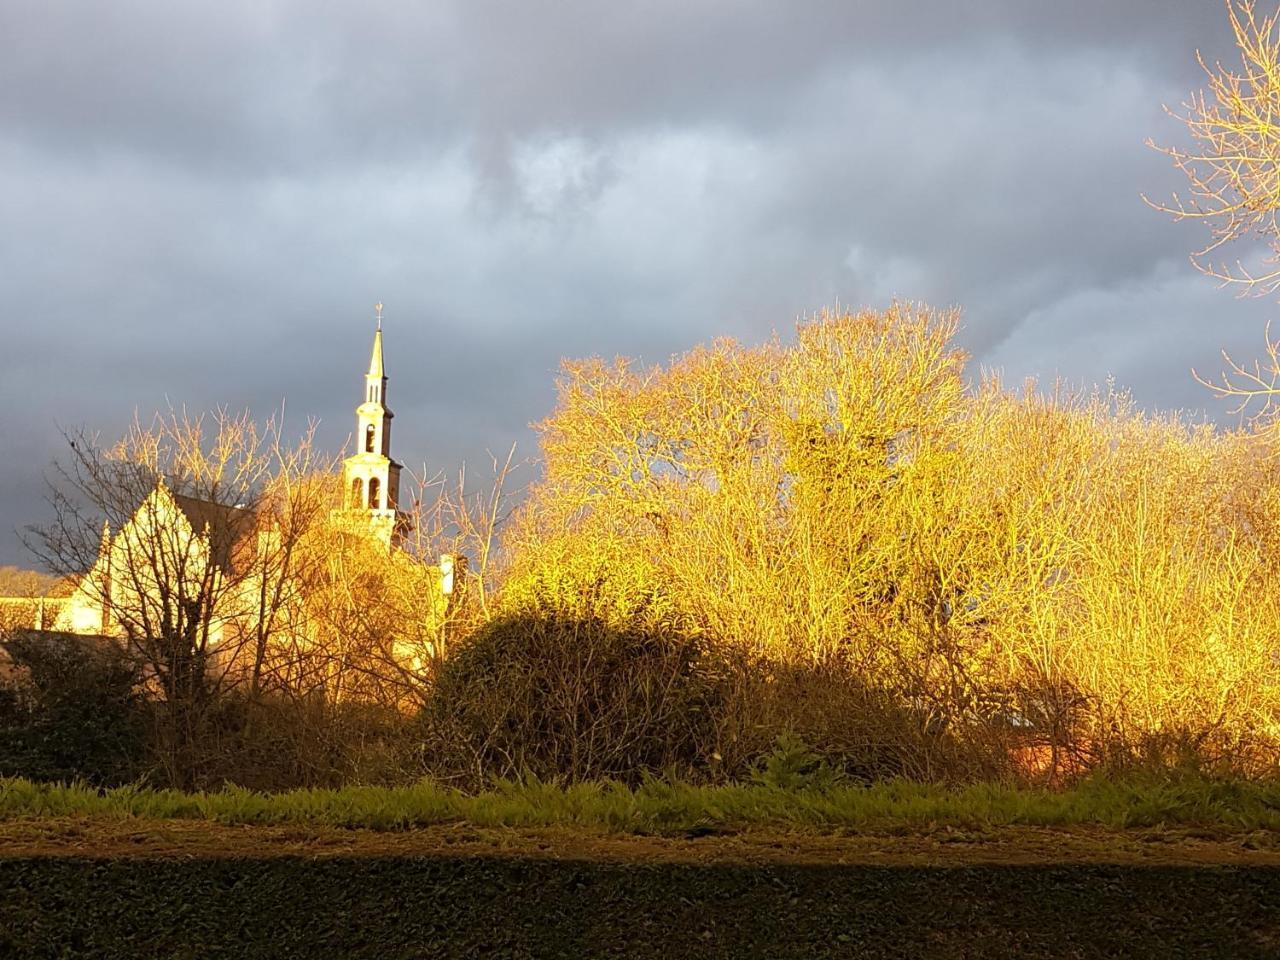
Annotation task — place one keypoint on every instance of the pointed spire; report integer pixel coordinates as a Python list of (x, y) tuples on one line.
[(375, 360)]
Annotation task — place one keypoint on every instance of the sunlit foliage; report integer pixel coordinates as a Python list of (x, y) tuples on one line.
[(1057, 566)]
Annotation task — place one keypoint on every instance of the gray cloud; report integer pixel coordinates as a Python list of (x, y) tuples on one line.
[(199, 202)]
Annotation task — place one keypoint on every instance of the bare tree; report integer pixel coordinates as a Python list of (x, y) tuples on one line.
[(295, 502), (461, 529), (1234, 167), (184, 535), (1233, 171)]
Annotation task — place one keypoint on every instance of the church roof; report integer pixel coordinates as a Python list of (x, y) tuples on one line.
[(228, 525)]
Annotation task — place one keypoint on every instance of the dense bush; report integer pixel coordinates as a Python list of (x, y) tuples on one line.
[(273, 742), (71, 710), (861, 731), (357, 906), (76, 708), (553, 696)]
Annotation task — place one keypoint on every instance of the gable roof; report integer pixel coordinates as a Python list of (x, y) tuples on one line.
[(228, 525)]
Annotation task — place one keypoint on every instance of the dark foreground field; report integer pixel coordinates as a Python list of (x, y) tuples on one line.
[(130, 889)]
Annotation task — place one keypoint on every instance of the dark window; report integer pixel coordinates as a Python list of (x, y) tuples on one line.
[(357, 492), (374, 490), (368, 439)]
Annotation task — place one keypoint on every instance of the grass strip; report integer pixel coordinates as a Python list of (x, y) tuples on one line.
[(671, 806)]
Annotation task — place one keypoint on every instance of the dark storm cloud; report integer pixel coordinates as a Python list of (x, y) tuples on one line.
[(199, 202), (249, 85)]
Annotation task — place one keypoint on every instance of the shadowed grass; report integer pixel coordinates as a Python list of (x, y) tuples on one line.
[(672, 806)]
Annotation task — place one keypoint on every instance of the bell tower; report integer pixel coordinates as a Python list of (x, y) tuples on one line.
[(370, 478)]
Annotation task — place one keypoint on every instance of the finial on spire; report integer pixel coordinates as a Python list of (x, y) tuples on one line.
[(377, 309)]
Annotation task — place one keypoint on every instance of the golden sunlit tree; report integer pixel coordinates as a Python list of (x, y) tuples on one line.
[(911, 562)]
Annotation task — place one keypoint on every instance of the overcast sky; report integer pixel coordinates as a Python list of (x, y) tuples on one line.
[(200, 202)]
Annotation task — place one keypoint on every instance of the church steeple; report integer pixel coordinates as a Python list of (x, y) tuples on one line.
[(376, 375), (370, 477)]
